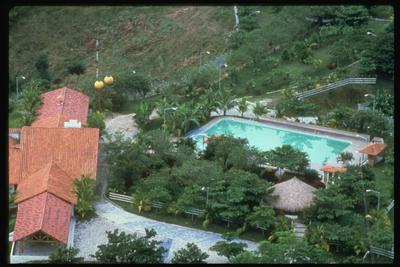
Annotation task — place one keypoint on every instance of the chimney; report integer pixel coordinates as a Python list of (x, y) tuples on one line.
[(72, 124)]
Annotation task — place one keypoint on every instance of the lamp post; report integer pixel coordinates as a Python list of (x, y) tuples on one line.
[(378, 194), (207, 52), (16, 82), (219, 76), (173, 108), (373, 96), (202, 189)]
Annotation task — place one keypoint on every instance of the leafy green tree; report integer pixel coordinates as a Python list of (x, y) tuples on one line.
[(97, 120), (42, 66), (76, 67), (372, 123), (284, 249), (259, 110), (189, 255), (288, 157), (340, 117), (384, 102), (28, 103), (296, 107), (200, 172), (228, 249), (128, 248), (262, 216), (126, 81), (157, 186), (353, 16), (84, 189), (242, 106), (143, 113), (203, 77), (345, 157), (65, 255)]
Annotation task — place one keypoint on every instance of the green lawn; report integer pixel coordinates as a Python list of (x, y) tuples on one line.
[(183, 220)]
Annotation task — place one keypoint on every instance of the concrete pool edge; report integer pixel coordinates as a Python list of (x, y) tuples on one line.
[(356, 140)]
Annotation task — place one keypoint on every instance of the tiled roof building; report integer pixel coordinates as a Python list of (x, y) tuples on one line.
[(45, 159)]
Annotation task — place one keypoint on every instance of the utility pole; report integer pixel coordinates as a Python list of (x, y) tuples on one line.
[(235, 10)]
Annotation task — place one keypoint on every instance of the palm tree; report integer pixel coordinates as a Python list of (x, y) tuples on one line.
[(242, 106), (225, 100), (345, 157), (259, 110), (188, 114), (84, 189), (29, 102)]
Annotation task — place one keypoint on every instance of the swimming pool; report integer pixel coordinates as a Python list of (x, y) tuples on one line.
[(264, 137)]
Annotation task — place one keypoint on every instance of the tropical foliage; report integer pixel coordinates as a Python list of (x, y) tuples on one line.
[(84, 189)]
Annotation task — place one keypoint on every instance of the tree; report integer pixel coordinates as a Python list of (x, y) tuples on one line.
[(288, 157), (65, 255), (225, 100), (284, 248), (29, 103), (296, 107), (84, 189), (340, 117), (143, 113), (345, 157), (384, 102), (228, 249), (128, 248), (133, 83), (96, 120), (259, 110), (76, 67), (262, 216), (42, 66), (189, 255), (353, 16), (372, 123), (242, 106)]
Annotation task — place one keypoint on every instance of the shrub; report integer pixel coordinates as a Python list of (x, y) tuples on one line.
[(65, 255), (190, 254), (76, 67), (310, 175), (96, 120)]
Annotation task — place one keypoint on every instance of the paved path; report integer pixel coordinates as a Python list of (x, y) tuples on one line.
[(90, 234)]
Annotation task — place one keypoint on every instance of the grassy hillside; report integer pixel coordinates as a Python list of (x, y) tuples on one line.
[(164, 43)]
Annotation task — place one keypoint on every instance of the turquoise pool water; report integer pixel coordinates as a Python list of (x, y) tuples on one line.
[(319, 148)]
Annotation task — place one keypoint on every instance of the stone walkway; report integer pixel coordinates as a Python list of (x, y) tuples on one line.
[(89, 235), (123, 123)]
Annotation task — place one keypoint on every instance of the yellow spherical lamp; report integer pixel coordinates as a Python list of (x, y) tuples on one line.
[(98, 85), (108, 80)]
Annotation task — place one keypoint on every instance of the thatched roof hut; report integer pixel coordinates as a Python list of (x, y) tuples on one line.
[(293, 195)]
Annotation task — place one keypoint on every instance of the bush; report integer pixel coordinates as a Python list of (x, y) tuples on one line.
[(96, 120), (65, 255), (310, 175), (76, 67)]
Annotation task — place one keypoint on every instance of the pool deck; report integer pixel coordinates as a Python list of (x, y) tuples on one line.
[(357, 140)]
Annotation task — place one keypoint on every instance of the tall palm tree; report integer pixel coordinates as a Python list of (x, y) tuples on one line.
[(242, 106), (84, 189), (259, 110), (225, 100)]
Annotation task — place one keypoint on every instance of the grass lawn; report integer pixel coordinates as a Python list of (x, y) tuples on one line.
[(183, 220)]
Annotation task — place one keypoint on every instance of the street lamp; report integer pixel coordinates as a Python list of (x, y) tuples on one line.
[(16, 82), (173, 108), (378, 194), (219, 76), (207, 52), (373, 96), (371, 33), (202, 189)]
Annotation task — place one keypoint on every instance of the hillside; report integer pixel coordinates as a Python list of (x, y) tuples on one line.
[(276, 47)]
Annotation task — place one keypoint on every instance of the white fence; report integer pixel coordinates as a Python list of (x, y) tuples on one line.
[(119, 197), (335, 85)]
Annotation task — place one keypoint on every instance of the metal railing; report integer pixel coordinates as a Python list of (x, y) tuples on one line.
[(382, 252), (335, 85)]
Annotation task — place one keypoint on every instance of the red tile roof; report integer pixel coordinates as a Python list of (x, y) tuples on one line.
[(50, 156), (46, 213), (333, 169), (373, 149), (65, 101), (50, 179), (56, 121), (14, 157)]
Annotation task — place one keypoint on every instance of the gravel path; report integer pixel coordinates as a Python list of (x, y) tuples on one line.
[(124, 123), (92, 233)]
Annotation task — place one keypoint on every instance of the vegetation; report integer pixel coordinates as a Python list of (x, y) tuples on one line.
[(28, 103), (191, 254), (65, 255), (84, 189), (127, 248), (228, 249), (96, 120)]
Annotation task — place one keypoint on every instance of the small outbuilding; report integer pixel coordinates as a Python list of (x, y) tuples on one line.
[(330, 170), (293, 195), (375, 152)]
